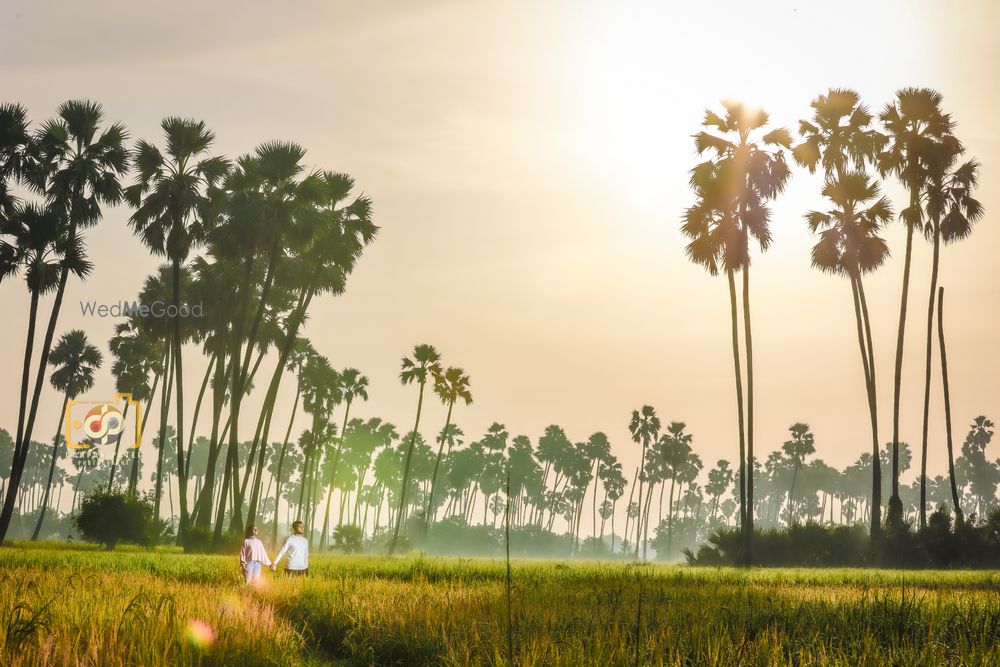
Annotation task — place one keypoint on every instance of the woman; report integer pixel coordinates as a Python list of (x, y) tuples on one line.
[(253, 556)]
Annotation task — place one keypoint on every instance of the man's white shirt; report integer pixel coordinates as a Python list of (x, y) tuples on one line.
[(296, 547)]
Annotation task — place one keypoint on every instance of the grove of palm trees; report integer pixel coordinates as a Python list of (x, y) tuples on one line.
[(491, 334), (274, 234)]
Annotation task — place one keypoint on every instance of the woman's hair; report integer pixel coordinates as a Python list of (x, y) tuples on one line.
[(250, 529)]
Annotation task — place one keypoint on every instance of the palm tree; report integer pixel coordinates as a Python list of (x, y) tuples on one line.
[(849, 245), (449, 386), (744, 171), (75, 361), (951, 212), (135, 356), (911, 121), (170, 196), (424, 365), (76, 171), (353, 385), (800, 445), (645, 428), (34, 239)]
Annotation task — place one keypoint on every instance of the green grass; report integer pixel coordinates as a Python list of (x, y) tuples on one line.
[(70, 605)]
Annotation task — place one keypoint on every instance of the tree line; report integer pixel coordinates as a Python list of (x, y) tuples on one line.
[(271, 235), (747, 165)]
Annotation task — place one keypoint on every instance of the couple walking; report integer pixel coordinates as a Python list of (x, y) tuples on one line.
[(253, 555)]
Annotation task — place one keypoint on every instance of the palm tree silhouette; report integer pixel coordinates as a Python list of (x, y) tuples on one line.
[(849, 245), (449, 386), (645, 428), (422, 367), (76, 170), (912, 121), (135, 357), (800, 444), (74, 362), (38, 243), (951, 213), (744, 172), (170, 196)]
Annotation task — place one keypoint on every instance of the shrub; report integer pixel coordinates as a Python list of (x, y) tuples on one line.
[(348, 538), (110, 518)]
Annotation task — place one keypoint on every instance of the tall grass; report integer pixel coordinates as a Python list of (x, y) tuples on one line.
[(78, 606)]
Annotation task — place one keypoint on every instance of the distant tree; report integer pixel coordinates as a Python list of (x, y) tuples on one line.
[(74, 361), (645, 429), (111, 518), (449, 385), (799, 446), (421, 368)]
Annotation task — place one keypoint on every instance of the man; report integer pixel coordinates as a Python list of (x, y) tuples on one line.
[(296, 546)]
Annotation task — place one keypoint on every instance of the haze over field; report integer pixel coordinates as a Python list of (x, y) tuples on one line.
[(529, 168)]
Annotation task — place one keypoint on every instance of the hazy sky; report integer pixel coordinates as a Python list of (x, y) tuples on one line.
[(528, 164)]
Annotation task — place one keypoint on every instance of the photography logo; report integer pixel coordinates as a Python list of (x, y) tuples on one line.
[(95, 423)]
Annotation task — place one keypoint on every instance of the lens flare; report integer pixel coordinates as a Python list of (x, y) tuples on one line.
[(200, 634)]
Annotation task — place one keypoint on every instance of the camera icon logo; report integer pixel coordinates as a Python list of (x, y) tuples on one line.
[(91, 424)]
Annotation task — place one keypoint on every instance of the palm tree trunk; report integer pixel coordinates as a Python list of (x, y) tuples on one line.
[(197, 410), (641, 473), (168, 386), (748, 338), (876, 517), (114, 459), (133, 477), (875, 522), (20, 445), (52, 469), (437, 464), (900, 335), (959, 518), (179, 369), (406, 472), (734, 317), (281, 463), (927, 375)]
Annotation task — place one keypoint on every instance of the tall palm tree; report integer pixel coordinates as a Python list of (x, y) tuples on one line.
[(912, 120), (35, 240), (449, 386), (172, 192), (645, 428), (799, 445), (75, 361), (744, 170), (76, 170), (849, 245), (951, 213), (840, 137), (424, 365)]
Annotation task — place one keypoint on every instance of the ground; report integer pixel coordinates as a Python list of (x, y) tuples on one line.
[(70, 605)]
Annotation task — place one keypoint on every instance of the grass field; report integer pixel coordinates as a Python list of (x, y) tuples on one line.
[(62, 605)]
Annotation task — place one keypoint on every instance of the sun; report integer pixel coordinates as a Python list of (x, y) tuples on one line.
[(641, 75)]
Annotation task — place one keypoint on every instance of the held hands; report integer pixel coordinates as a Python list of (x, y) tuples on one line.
[(274, 568)]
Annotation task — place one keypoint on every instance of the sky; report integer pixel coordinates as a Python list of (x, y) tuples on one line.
[(528, 164)]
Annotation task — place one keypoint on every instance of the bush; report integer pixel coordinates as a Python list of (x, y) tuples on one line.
[(110, 518), (940, 545), (348, 538)]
